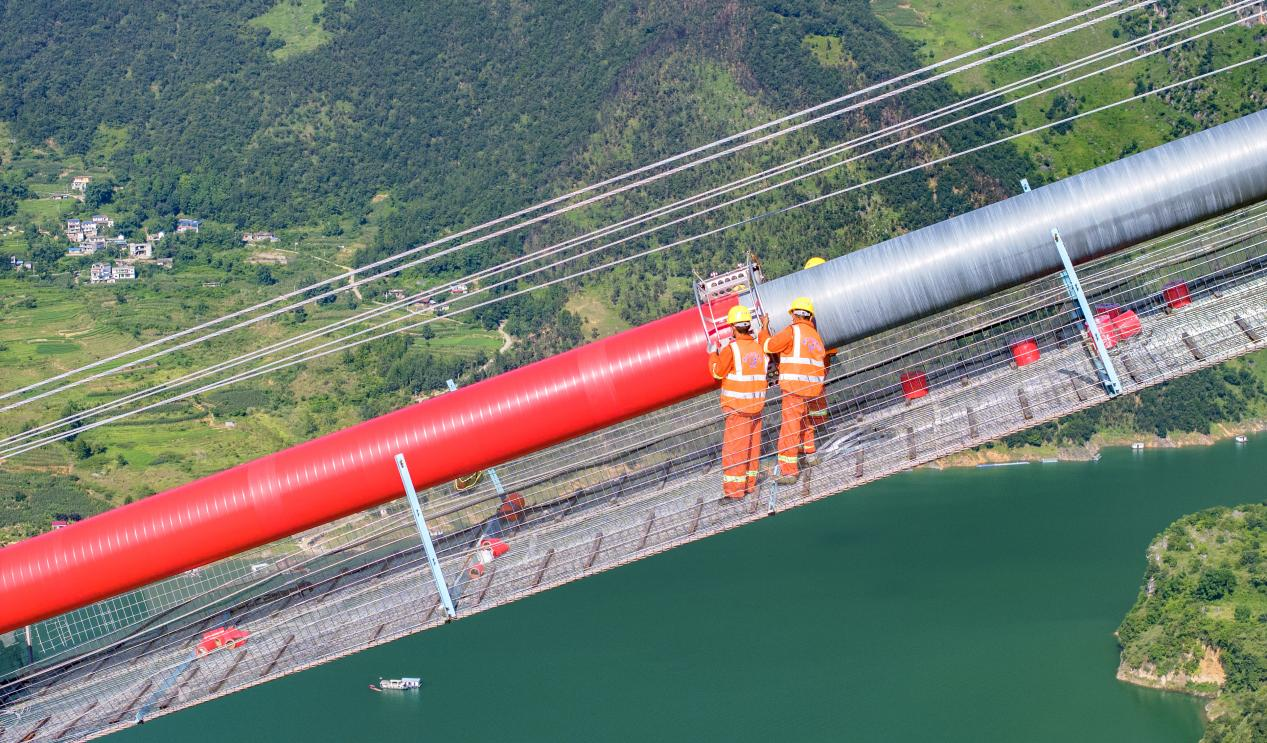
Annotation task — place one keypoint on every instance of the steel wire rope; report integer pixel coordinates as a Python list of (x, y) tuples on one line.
[(876, 86), (1168, 236), (521, 474), (433, 291), (887, 443), (306, 355), (527, 567), (1250, 60), (30, 433), (991, 350), (1135, 43)]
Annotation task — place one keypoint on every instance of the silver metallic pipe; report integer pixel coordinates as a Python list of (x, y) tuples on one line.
[(1098, 212)]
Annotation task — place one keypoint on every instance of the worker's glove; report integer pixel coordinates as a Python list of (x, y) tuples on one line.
[(712, 347)]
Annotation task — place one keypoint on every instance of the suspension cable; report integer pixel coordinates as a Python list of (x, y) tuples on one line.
[(80, 415), (339, 346), (594, 199)]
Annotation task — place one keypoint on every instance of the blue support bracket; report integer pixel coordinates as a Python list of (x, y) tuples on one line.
[(492, 473), (162, 689), (436, 573), (1108, 374)]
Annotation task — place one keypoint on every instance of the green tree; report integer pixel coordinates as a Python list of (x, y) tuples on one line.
[(99, 193), (1215, 584)]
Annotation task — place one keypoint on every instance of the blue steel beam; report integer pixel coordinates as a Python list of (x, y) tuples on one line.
[(1108, 373), (421, 522)]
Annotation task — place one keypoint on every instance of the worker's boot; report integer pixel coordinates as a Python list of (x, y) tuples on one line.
[(785, 479), (812, 459)]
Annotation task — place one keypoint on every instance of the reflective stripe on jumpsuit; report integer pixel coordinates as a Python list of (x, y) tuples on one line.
[(801, 375), (741, 366)]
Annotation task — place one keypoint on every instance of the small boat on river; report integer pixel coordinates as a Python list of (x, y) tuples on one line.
[(400, 684)]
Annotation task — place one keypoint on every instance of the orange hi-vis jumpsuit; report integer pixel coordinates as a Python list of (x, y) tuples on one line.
[(818, 405), (801, 375), (741, 367)]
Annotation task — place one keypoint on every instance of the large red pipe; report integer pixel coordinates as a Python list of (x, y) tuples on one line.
[(476, 427)]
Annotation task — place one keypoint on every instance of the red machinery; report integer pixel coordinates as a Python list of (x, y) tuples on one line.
[(1025, 352), (1116, 324), (512, 507), (914, 384), (476, 427), (1176, 295), (489, 549), (221, 637)]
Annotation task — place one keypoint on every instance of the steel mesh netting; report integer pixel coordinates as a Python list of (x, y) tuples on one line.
[(637, 488)]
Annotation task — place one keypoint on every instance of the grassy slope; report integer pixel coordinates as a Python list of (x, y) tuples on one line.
[(944, 28), (596, 313), (69, 326), (292, 22), (6, 143)]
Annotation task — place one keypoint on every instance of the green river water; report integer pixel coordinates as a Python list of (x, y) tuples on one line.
[(957, 605)]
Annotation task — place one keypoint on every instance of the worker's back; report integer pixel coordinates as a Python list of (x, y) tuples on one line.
[(743, 385), (802, 370)]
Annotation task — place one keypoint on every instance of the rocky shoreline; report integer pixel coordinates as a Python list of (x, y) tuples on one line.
[(1000, 454), (1205, 682)]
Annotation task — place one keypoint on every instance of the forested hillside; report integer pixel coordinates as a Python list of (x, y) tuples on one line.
[(354, 130), (1197, 625)]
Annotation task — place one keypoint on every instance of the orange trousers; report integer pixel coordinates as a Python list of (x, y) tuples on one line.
[(817, 417), (796, 435), (740, 454)]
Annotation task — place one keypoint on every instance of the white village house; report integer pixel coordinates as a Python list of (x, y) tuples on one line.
[(104, 273), (259, 237)]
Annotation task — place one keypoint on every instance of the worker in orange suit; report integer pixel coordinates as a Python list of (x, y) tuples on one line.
[(802, 370), (741, 367), (818, 405)]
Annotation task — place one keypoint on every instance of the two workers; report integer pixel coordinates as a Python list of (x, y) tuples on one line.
[(741, 366)]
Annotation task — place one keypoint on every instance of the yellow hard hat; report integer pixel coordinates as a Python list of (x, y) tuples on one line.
[(802, 303), (738, 314), (815, 261)]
